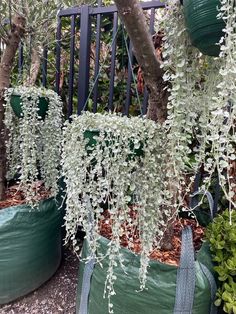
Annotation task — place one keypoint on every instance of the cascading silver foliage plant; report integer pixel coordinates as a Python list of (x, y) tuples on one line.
[(34, 143), (128, 159), (202, 102)]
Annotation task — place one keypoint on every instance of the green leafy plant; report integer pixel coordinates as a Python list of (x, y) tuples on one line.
[(222, 237)]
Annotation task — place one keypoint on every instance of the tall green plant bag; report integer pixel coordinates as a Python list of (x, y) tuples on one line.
[(189, 288), (30, 247), (162, 296), (204, 29)]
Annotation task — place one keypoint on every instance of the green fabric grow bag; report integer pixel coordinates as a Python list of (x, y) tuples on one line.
[(161, 283), (16, 106), (204, 28), (30, 247)]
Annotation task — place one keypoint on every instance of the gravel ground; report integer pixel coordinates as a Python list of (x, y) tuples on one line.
[(57, 296)]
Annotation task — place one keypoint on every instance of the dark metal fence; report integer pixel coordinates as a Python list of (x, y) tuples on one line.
[(85, 16)]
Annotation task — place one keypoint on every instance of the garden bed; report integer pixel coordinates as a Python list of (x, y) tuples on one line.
[(31, 243)]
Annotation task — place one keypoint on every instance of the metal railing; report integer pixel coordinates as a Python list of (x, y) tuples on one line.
[(83, 16)]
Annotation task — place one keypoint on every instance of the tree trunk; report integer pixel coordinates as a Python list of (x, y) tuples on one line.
[(34, 68), (7, 61), (135, 23)]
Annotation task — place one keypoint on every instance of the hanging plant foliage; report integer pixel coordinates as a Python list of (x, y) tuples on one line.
[(202, 103), (111, 173), (34, 138), (16, 104)]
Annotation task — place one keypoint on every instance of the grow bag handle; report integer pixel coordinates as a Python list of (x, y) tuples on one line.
[(186, 274), (88, 270), (185, 281), (86, 283), (209, 198)]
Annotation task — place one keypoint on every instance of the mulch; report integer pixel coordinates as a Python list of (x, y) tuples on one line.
[(131, 237), (15, 195)]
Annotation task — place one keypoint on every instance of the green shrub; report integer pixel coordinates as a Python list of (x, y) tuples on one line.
[(222, 236)]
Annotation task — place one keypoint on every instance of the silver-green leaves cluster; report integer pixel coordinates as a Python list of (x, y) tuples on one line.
[(33, 145), (202, 103), (128, 163)]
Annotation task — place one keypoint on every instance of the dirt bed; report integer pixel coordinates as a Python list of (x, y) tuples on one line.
[(57, 296)]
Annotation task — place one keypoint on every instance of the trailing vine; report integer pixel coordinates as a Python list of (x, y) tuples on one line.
[(202, 102), (124, 164), (33, 146)]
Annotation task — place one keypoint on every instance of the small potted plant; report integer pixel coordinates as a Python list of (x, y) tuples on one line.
[(30, 222)]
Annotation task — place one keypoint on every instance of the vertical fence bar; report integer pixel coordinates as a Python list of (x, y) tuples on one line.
[(152, 21), (129, 80), (84, 60), (45, 67), (20, 60), (152, 31), (113, 61), (58, 55), (72, 60), (145, 101), (97, 59)]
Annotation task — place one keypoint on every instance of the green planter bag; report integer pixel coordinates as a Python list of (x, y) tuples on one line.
[(30, 247), (187, 289), (194, 293)]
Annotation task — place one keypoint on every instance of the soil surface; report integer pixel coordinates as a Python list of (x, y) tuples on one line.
[(57, 296), (131, 237), (15, 195)]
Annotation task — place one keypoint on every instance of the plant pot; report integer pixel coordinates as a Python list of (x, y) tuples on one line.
[(160, 295), (16, 105), (30, 250), (204, 29), (90, 134)]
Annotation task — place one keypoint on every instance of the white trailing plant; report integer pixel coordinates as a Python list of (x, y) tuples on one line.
[(109, 172), (33, 145), (202, 101)]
